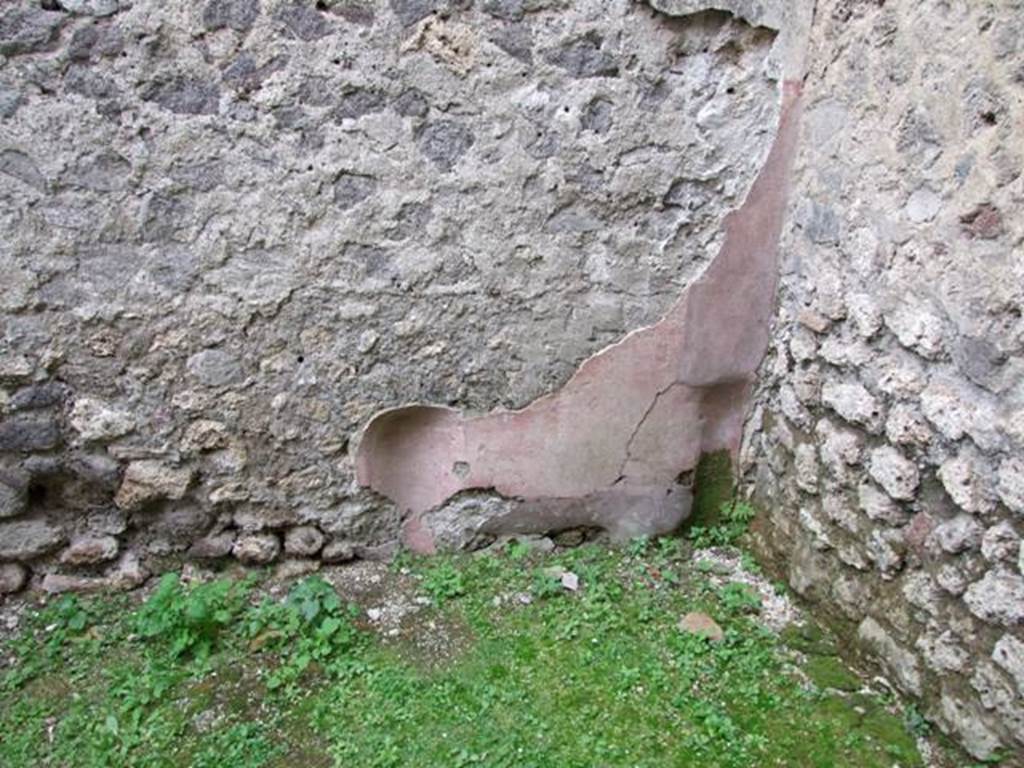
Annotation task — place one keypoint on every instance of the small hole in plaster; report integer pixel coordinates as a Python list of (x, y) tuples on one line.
[(730, 90), (989, 118), (300, 359), (686, 478)]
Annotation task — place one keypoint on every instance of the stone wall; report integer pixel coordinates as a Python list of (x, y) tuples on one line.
[(234, 230), (888, 440)]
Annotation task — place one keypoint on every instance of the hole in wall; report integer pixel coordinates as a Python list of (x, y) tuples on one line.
[(37, 494)]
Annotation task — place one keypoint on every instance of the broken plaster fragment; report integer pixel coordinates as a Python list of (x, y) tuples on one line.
[(755, 12), (604, 450)]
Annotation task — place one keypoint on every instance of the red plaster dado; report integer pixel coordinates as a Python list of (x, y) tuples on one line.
[(607, 448)]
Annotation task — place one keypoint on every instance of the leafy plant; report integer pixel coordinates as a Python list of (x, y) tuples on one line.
[(545, 584), (190, 620), (739, 598), (310, 625), (314, 600), (58, 623), (638, 546), (735, 517), (68, 614), (443, 582), (517, 550), (749, 564), (916, 723), (243, 744), (668, 549), (403, 559)]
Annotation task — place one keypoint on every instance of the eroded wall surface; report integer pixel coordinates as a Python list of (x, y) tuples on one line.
[(233, 231), (236, 231), (608, 449), (888, 445)]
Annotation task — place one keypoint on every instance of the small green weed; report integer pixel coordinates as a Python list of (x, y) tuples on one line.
[(638, 546), (443, 582), (402, 560), (68, 616), (667, 549), (517, 550), (916, 723), (739, 598), (242, 744), (545, 585), (190, 621), (310, 625), (749, 564), (43, 645), (735, 517)]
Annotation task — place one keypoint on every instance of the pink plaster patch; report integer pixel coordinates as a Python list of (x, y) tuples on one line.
[(608, 447)]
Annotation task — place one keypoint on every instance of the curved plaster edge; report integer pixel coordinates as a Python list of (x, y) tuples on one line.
[(790, 19), (608, 448), (758, 13)]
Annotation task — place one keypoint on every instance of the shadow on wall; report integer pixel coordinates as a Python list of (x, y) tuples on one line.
[(609, 447)]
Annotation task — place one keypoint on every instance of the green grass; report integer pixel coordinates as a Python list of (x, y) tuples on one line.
[(533, 675)]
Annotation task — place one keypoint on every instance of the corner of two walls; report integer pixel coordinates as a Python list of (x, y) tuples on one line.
[(608, 448), (260, 221)]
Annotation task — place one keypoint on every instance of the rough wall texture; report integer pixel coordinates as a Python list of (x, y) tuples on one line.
[(235, 230), (608, 449), (889, 436)]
